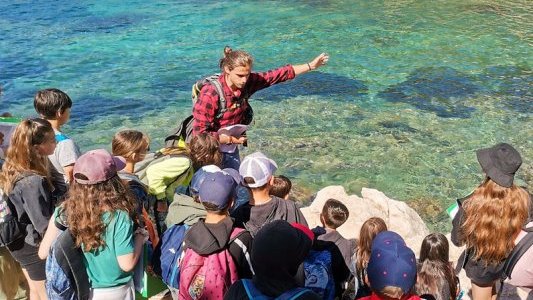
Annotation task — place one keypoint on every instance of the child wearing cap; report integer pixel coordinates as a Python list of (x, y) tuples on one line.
[(489, 240), (391, 271), (101, 215), (214, 234), (257, 172)]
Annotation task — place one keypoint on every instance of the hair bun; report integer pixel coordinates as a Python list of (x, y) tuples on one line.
[(227, 50)]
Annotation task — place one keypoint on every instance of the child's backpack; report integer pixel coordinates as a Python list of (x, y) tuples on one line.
[(319, 273), (66, 275), (208, 277), (168, 254), (255, 294), (10, 228)]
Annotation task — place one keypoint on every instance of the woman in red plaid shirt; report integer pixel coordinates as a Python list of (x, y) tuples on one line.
[(238, 83)]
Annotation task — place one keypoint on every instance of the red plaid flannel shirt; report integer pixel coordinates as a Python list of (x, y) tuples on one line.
[(206, 108)]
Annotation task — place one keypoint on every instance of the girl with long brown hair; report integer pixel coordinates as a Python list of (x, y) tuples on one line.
[(436, 276), (490, 219), (101, 216), (25, 179), (368, 232)]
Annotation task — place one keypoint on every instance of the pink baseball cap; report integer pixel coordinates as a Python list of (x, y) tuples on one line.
[(97, 166)]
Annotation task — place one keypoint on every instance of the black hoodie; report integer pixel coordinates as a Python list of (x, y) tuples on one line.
[(278, 251), (206, 239)]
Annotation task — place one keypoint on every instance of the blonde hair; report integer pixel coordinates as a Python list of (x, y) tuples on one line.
[(494, 216), (21, 156), (369, 230), (235, 58), (392, 292), (126, 143)]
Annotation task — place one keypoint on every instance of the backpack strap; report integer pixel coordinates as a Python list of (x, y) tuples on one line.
[(293, 294), (234, 238), (70, 259), (251, 291), (518, 251), (222, 104)]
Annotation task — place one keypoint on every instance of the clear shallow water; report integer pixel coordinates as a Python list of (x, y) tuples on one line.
[(411, 90)]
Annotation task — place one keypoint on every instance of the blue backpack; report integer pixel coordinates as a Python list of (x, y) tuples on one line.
[(168, 254), (255, 294), (66, 275), (319, 273)]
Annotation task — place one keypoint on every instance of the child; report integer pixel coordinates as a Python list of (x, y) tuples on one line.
[(436, 276), (204, 149), (369, 230), (214, 244), (163, 171), (391, 271), (334, 214), (281, 187), (279, 249), (133, 145), (489, 240), (54, 106), (101, 216), (257, 171), (26, 182)]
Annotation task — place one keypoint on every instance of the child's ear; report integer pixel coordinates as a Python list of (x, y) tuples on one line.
[(322, 220), (134, 156)]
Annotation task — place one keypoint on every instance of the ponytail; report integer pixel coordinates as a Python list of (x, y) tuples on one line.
[(235, 58)]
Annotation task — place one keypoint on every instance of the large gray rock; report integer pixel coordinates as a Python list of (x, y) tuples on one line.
[(398, 216)]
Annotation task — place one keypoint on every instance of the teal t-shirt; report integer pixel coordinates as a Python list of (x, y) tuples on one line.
[(102, 265)]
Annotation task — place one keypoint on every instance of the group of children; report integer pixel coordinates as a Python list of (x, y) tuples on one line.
[(244, 238)]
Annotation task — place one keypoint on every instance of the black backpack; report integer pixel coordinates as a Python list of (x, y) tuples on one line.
[(10, 228), (66, 273), (184, 130)]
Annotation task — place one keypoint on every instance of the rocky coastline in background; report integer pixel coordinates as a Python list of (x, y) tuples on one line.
[(398, 216)]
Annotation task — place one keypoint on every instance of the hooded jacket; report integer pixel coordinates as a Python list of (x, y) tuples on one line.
[(206, 239), (279, 250)]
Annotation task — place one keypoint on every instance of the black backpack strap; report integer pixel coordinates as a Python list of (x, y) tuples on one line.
[(525, 243), (520, 249), (70, 258)]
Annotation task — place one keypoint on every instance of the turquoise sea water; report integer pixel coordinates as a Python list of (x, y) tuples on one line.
[(411, 90)]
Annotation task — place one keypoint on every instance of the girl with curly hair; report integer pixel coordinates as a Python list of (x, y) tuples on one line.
[(26, 182), (101, 216)]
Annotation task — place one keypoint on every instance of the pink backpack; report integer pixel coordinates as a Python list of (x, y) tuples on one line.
[(208, 277)]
